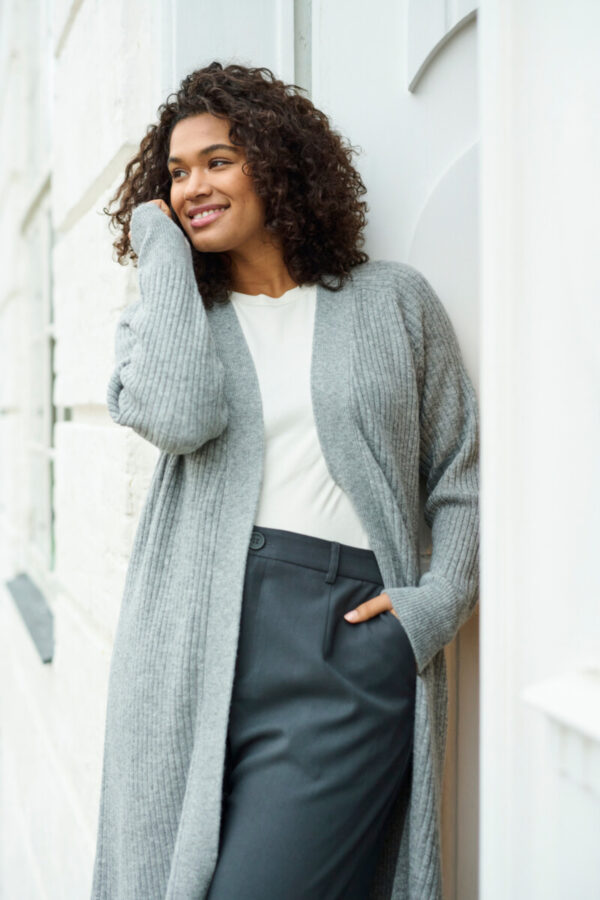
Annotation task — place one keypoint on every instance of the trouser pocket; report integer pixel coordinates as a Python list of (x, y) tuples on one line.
[(376, 653)]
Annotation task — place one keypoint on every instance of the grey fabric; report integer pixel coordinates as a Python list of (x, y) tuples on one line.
[(392, 402), (320, 730)]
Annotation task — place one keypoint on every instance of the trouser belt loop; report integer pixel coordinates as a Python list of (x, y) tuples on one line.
[(334, 558)]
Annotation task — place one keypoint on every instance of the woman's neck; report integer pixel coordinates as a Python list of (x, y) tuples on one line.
[(262, 272)]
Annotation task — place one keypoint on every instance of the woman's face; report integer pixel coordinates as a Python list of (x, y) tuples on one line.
[(205, 176)]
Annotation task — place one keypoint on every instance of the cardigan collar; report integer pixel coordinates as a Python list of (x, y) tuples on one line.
[(331, 347)]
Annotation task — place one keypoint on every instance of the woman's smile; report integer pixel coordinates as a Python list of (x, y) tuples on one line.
[(200, 218)]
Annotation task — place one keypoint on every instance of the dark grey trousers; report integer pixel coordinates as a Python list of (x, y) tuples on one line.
[(321, 725)]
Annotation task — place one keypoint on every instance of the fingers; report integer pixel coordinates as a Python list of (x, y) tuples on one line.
[(369, 608), (162, 205)]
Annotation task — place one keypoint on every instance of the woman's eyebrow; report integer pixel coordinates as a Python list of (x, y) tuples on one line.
[(213, 147)]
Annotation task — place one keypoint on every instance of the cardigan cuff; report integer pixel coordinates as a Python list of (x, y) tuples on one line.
[(431, 613), (150, 217)]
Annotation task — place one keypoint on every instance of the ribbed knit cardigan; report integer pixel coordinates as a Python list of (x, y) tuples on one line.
[(394, 408)]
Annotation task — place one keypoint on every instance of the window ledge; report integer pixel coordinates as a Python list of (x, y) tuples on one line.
[(571, 703), (571, 700)]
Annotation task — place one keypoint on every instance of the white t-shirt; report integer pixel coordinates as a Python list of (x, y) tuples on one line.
[(297, 491)]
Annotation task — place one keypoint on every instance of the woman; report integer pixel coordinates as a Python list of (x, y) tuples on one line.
[(276, 712)]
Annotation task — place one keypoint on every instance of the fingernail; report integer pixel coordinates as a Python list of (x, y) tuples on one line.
[(352, 616)]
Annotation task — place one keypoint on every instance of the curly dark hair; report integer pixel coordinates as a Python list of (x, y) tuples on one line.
[(301, 168)]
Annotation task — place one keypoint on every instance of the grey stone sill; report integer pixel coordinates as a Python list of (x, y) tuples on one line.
[(35, 612)]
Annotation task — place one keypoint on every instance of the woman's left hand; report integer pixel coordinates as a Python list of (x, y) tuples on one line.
[(371, 608)]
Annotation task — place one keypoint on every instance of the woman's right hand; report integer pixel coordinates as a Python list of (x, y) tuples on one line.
[(162, 205)]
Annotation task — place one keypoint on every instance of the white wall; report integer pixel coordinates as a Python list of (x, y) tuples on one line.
[(540, 628)]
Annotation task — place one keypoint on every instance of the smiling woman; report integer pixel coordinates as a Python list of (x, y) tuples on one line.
[(261, 741)]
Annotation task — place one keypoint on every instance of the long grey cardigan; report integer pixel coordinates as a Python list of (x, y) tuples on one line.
[(392, 402)]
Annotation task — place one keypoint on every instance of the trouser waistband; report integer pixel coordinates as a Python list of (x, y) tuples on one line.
[(330, 557)]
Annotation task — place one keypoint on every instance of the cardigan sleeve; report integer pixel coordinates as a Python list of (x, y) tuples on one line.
[(168, 381), (433, 611)]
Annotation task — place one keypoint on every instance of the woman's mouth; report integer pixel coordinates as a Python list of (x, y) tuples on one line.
[(201, 220)]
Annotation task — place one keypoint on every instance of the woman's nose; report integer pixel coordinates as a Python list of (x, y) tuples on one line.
[(197, 185)]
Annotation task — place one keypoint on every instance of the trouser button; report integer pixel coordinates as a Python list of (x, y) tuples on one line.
[(257, 540)]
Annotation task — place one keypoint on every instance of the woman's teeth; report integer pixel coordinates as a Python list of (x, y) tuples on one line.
[(207, 212)]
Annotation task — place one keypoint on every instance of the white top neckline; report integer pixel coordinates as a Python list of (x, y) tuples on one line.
[(265, 300)]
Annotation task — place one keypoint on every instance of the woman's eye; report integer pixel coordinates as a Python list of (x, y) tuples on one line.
[(211, 165)]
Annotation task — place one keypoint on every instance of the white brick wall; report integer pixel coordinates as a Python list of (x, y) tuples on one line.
[(90, 290), (106, 92), (81, 83)]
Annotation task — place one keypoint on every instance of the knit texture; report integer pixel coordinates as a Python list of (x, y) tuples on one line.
[(394, 408)]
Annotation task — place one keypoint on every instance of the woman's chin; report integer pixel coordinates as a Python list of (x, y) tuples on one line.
[(209, 244)]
